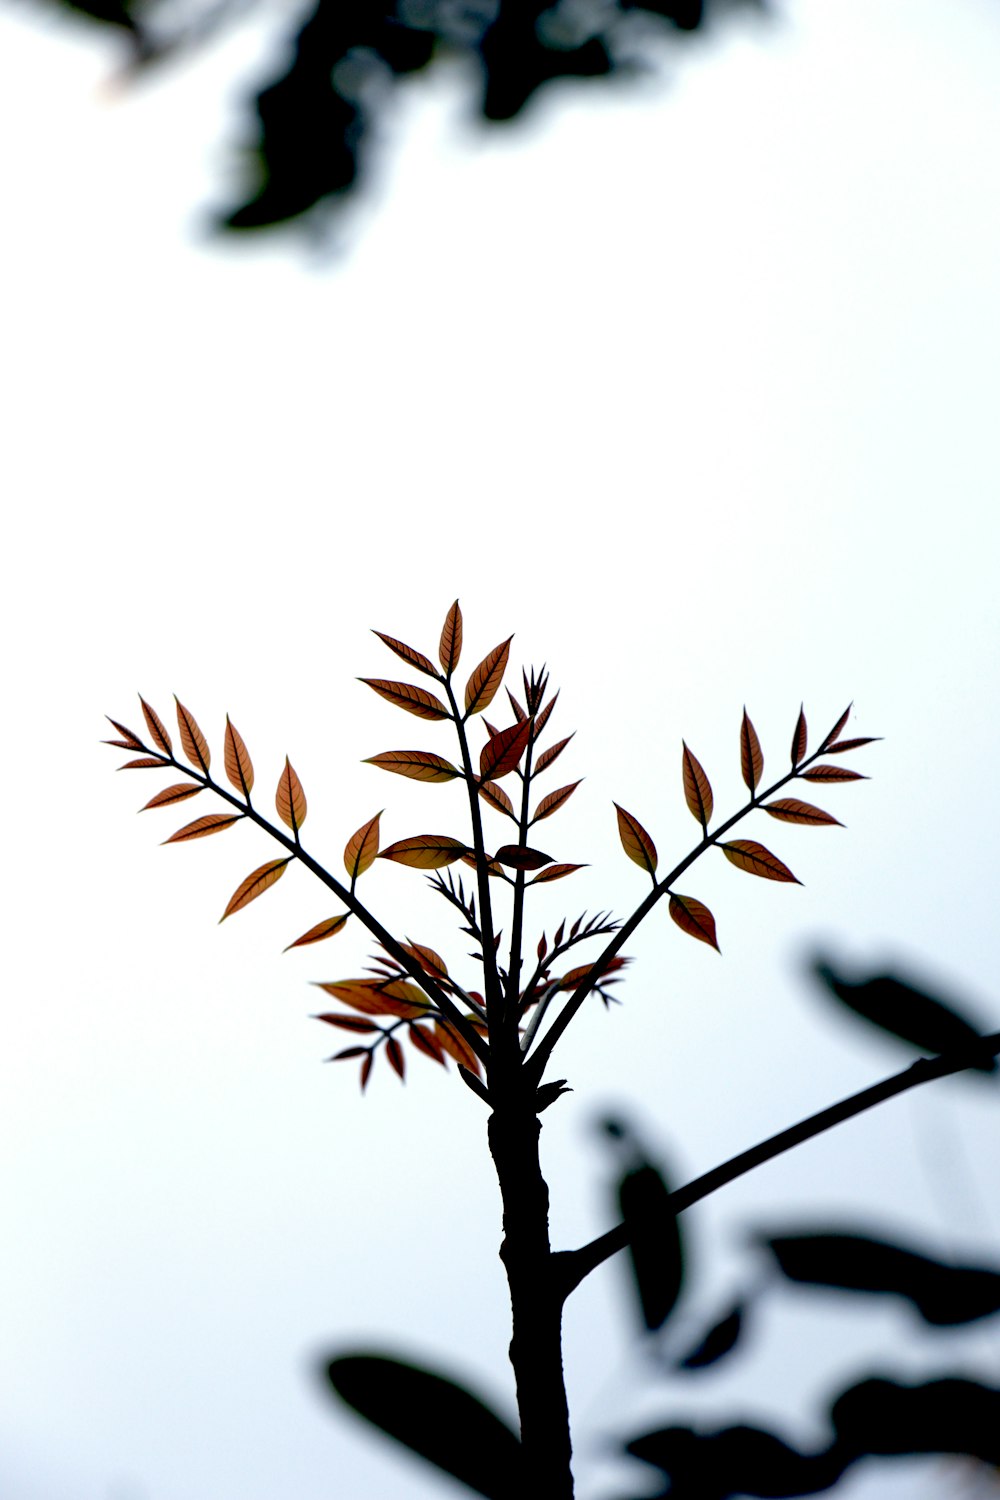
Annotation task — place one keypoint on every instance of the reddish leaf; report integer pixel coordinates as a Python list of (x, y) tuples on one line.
[(697, 789), (751, 756), (419, 765), (144, 763), (456, 1047), (545, 715), (799, 738), (502, 751), (450, 645), (193, 741), (413, 658), (255, 885), (431, 962), (366, 1070), (376, 998), (121, 745), (747, 855), (329, 928), (519, 713), (548, 756), (791, 810), (394, 1053), (290, 799), (129, 741), (239, 766), (555, 872), (349, 1023), (842, 746), (554, 801), (832, 773), (518, 857), (201, 827), (694, 918), (426, 851), (497, 797), (636, 841), (349, 1051), (156, 727), (486, 679), (415, 700), (426, 1042), (362, 848), (492, 868), (835, 731), (170, 794)]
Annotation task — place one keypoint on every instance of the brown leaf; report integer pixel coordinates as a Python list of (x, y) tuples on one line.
[(426, 851), (747, 855), (835, 731), (546, 714), (554, 801), (497, 797), (697, 789), (156, 727), (348, 1023), (548, 756), (202, 827), (394, 1053), (362, 848), (502, 751), (519, 857), (555, 872), (290, 799), (328, 928), (414, 699), (492, 868), (129, 741), (255, 885), (426, 1042), (791, 810), (376, 998), (751, 756), (239, 766), (486, 679), (456, 1047), (366, 1070), (832, 773), (799, 738), (348, 1051), (694, 918), (413, 658), (519, 713), (450, 645), (429, 960), (170, 794), (636, 841), (842, 746), (193, 741), (144, 763), (419, 765)]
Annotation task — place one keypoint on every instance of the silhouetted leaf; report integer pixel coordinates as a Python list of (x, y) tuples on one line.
[(555, 872), (328, 928), (736, 1461), (697, 789), (426, 851), (413, 658), (751, 756), (714, 1345), (239, 766), (179, 792), (800, 738), (842, 746), (554, 801), (497, 797), (941, 1416), (835, 731), (290, 799), (791, 810), (415, 700), (831, 773), (156, 727), (450, 645), (654, 1242), (394, 1053), (255, 885), (636, 841), (486, 679), (548, 756), (441, 1421), (417, 764), (502, 751), (193, 741), (693, 918), (520, 857), (201, 827), (747, 855), (361, 848)]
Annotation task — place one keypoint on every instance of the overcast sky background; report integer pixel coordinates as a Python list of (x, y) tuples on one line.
[(693, 386)]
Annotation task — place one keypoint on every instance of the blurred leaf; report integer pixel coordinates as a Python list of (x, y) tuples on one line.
[(751, 756), (654, 1242), (255, 885), (426, 1042), (636, 841), (328, 928), (179, 792), (791, 810), (373, 997), (361, 848), (697, 789), (554, 801), (415, 700), (486, 679), (450, 645), (456, 1047), (290, 799), (156, 727), (239, 766), (417, 764), (394, 1053), (201, 827), (694, 918), (193, 741), (800, 738), (714, 1345), (747, 855), (941, 1416), (413, 658), (736, 1461), (502, 751), (426, 851)]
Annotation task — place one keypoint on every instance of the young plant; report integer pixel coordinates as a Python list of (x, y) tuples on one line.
[(502, 1026)]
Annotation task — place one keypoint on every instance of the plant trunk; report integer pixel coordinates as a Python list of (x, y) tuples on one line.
[(536, 1305)]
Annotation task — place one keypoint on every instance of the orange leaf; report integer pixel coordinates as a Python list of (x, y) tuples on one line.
[(548, 756), (503, 750), (424, 1041), (375, 998), (751, 757), (239, 766), (430, 961), (322, 930), (694, 918), (840, 747), (129, 740), (832, 773), (394, 1053), (450, 646), (791, 810), (496, 797), (756, 860), (170, 794), (492, 868), (414, 699), (420, 765), (799, 738), (144, 763), (835, 731), (697, 789), (362, 848), (518, 857), (456, 1047), (255, 885), (202, 827), (156, 727), (486, 679), (555, 872), (290, 799), (554, 801), (413, 658), (194, 742), (426, 851), (636, 841)]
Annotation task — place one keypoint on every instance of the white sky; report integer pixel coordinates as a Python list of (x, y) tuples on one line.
[(691, 385)]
